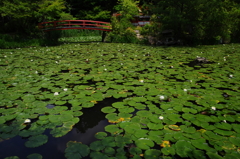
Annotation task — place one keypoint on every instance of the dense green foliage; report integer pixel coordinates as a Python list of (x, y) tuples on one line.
[(166, 105), (198, 21), (193, 22)]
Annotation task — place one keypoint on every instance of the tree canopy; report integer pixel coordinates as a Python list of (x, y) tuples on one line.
[(196, 20)]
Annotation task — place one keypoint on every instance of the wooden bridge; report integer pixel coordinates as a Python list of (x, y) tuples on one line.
[(76, 24)]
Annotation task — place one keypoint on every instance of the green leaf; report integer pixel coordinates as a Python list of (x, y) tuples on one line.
[(98, 155), (154, 126), (214, 155), (235, 140), (100, 135), (36, 141), (152, 153), (183, 148), (223, 132), (108, 110), (109, 151), (175, 117), (144, 143), (34, 156), (12, 157), (168, 151), (112, 129), (97, 146), (200, 144), (76, 150)]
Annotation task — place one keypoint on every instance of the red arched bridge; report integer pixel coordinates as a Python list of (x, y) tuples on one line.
[(75, 24)]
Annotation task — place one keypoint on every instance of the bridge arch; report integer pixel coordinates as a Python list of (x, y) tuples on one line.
[(76, 24)]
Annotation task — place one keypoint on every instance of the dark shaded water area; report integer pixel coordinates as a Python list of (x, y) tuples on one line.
[(91, 122)]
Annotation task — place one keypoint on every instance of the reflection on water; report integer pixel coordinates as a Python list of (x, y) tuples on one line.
[(91, 122)]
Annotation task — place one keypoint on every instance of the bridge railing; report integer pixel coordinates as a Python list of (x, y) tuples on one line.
[(74, 24)]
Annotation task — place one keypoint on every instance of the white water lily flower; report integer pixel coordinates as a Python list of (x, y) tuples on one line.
[(65, 89), (36, 72), (185, 90), (56, 94), (213, 108), (224, 121), (27, 121), (171, 66), (161, 97), (141, 81), (105, 69), (160, 117), (230, 76)]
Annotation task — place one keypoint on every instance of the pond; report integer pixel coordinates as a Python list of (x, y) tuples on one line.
[(106, 100)]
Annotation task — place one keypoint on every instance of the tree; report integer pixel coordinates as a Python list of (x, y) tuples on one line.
[(121, 24), (198, 20), (92, 9), (22, 16)]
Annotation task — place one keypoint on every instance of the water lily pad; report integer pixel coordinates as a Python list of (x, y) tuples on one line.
[(100, 135), (108, 110), (168, 150), (34, 156), (36, 141), (112, 129), (183, 148), (118, 105), (98, 155), (109, 141), (144, 113), (12, 157), (97, 146), (154, 126), (144, 143), (76, 150), (109, 151), (200, 144), (223, 132), (175, 117)]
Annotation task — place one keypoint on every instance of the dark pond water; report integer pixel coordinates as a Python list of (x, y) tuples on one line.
[(91, 122)]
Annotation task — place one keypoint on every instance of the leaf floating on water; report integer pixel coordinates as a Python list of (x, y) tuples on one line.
[(36, 141), (34, 156), (76, 150), (174, 127)]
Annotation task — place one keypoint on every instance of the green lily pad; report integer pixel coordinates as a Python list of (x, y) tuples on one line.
[(175, 117), (76, 150), (108, 110), (183, 148), (112, 129), (200, 144), (97, 146), (12, 157), (34, 156), (168, 151), (100, 135), (36, 141), (98, 155), (109, 151), (154, 126), (109, 141), (144, 143)]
